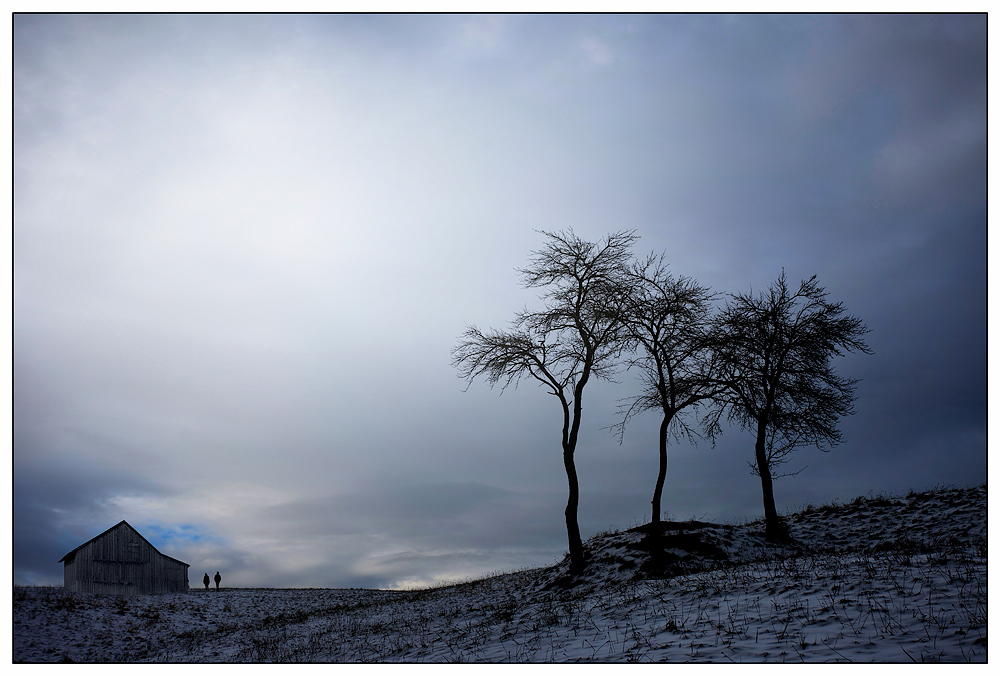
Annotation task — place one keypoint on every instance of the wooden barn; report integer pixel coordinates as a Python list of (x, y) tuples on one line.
[(120, 561)]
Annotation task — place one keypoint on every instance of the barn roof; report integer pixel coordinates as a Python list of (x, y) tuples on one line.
[(119, 525)]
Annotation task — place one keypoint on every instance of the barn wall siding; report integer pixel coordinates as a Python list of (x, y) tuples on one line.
[(70, 575), (120, 561)]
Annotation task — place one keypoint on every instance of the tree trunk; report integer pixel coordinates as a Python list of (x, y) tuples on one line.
[(662, 476), (576, 558), (772, 524), (576, 561)]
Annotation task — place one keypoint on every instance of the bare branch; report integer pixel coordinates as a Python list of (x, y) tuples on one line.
[(667, 319)]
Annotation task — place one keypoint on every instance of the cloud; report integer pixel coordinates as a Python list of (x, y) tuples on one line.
[(597, 51), (483, 31), (919, 166)]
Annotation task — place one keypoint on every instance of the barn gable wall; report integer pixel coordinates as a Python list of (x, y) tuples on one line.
[(69, 575), (120, 561)]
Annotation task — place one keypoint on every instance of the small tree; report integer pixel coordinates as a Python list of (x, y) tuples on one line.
[(667, 320), (577, 336), (775, 352)]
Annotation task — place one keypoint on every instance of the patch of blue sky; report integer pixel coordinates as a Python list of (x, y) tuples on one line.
[(158, 533)]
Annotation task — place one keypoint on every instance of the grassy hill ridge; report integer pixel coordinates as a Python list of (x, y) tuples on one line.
[(883, 579)]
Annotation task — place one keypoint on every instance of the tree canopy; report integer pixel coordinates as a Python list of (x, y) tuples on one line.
[(775, 352)]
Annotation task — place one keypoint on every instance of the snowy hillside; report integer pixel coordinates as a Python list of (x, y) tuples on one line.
[(879, 579)]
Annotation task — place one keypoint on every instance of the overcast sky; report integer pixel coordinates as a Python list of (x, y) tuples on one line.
[(244, 247)]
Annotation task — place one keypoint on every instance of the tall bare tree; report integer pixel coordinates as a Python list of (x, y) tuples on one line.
[(775, 350), (578, 335), (667, 320)]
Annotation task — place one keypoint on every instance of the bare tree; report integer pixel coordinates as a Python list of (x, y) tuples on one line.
[(577, 336), (667, 320), (775, 351)]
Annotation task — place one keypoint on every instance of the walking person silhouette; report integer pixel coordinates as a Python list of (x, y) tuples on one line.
[(206, 581), (218, 579)]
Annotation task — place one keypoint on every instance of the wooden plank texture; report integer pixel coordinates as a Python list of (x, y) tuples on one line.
[(120, 561)]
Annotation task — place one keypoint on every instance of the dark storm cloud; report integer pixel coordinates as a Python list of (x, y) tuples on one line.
[(245, 245)]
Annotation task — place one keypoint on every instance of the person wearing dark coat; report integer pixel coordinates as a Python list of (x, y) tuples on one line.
[(206, 581), (218, 579)]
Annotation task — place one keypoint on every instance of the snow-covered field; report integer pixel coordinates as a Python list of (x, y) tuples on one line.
[(883, 579)]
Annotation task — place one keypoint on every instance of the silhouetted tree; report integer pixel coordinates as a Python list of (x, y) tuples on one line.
[(577, 336), (667, 319), (775, 352)]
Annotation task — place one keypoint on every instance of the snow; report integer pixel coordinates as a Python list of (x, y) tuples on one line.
[(879, 579)]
